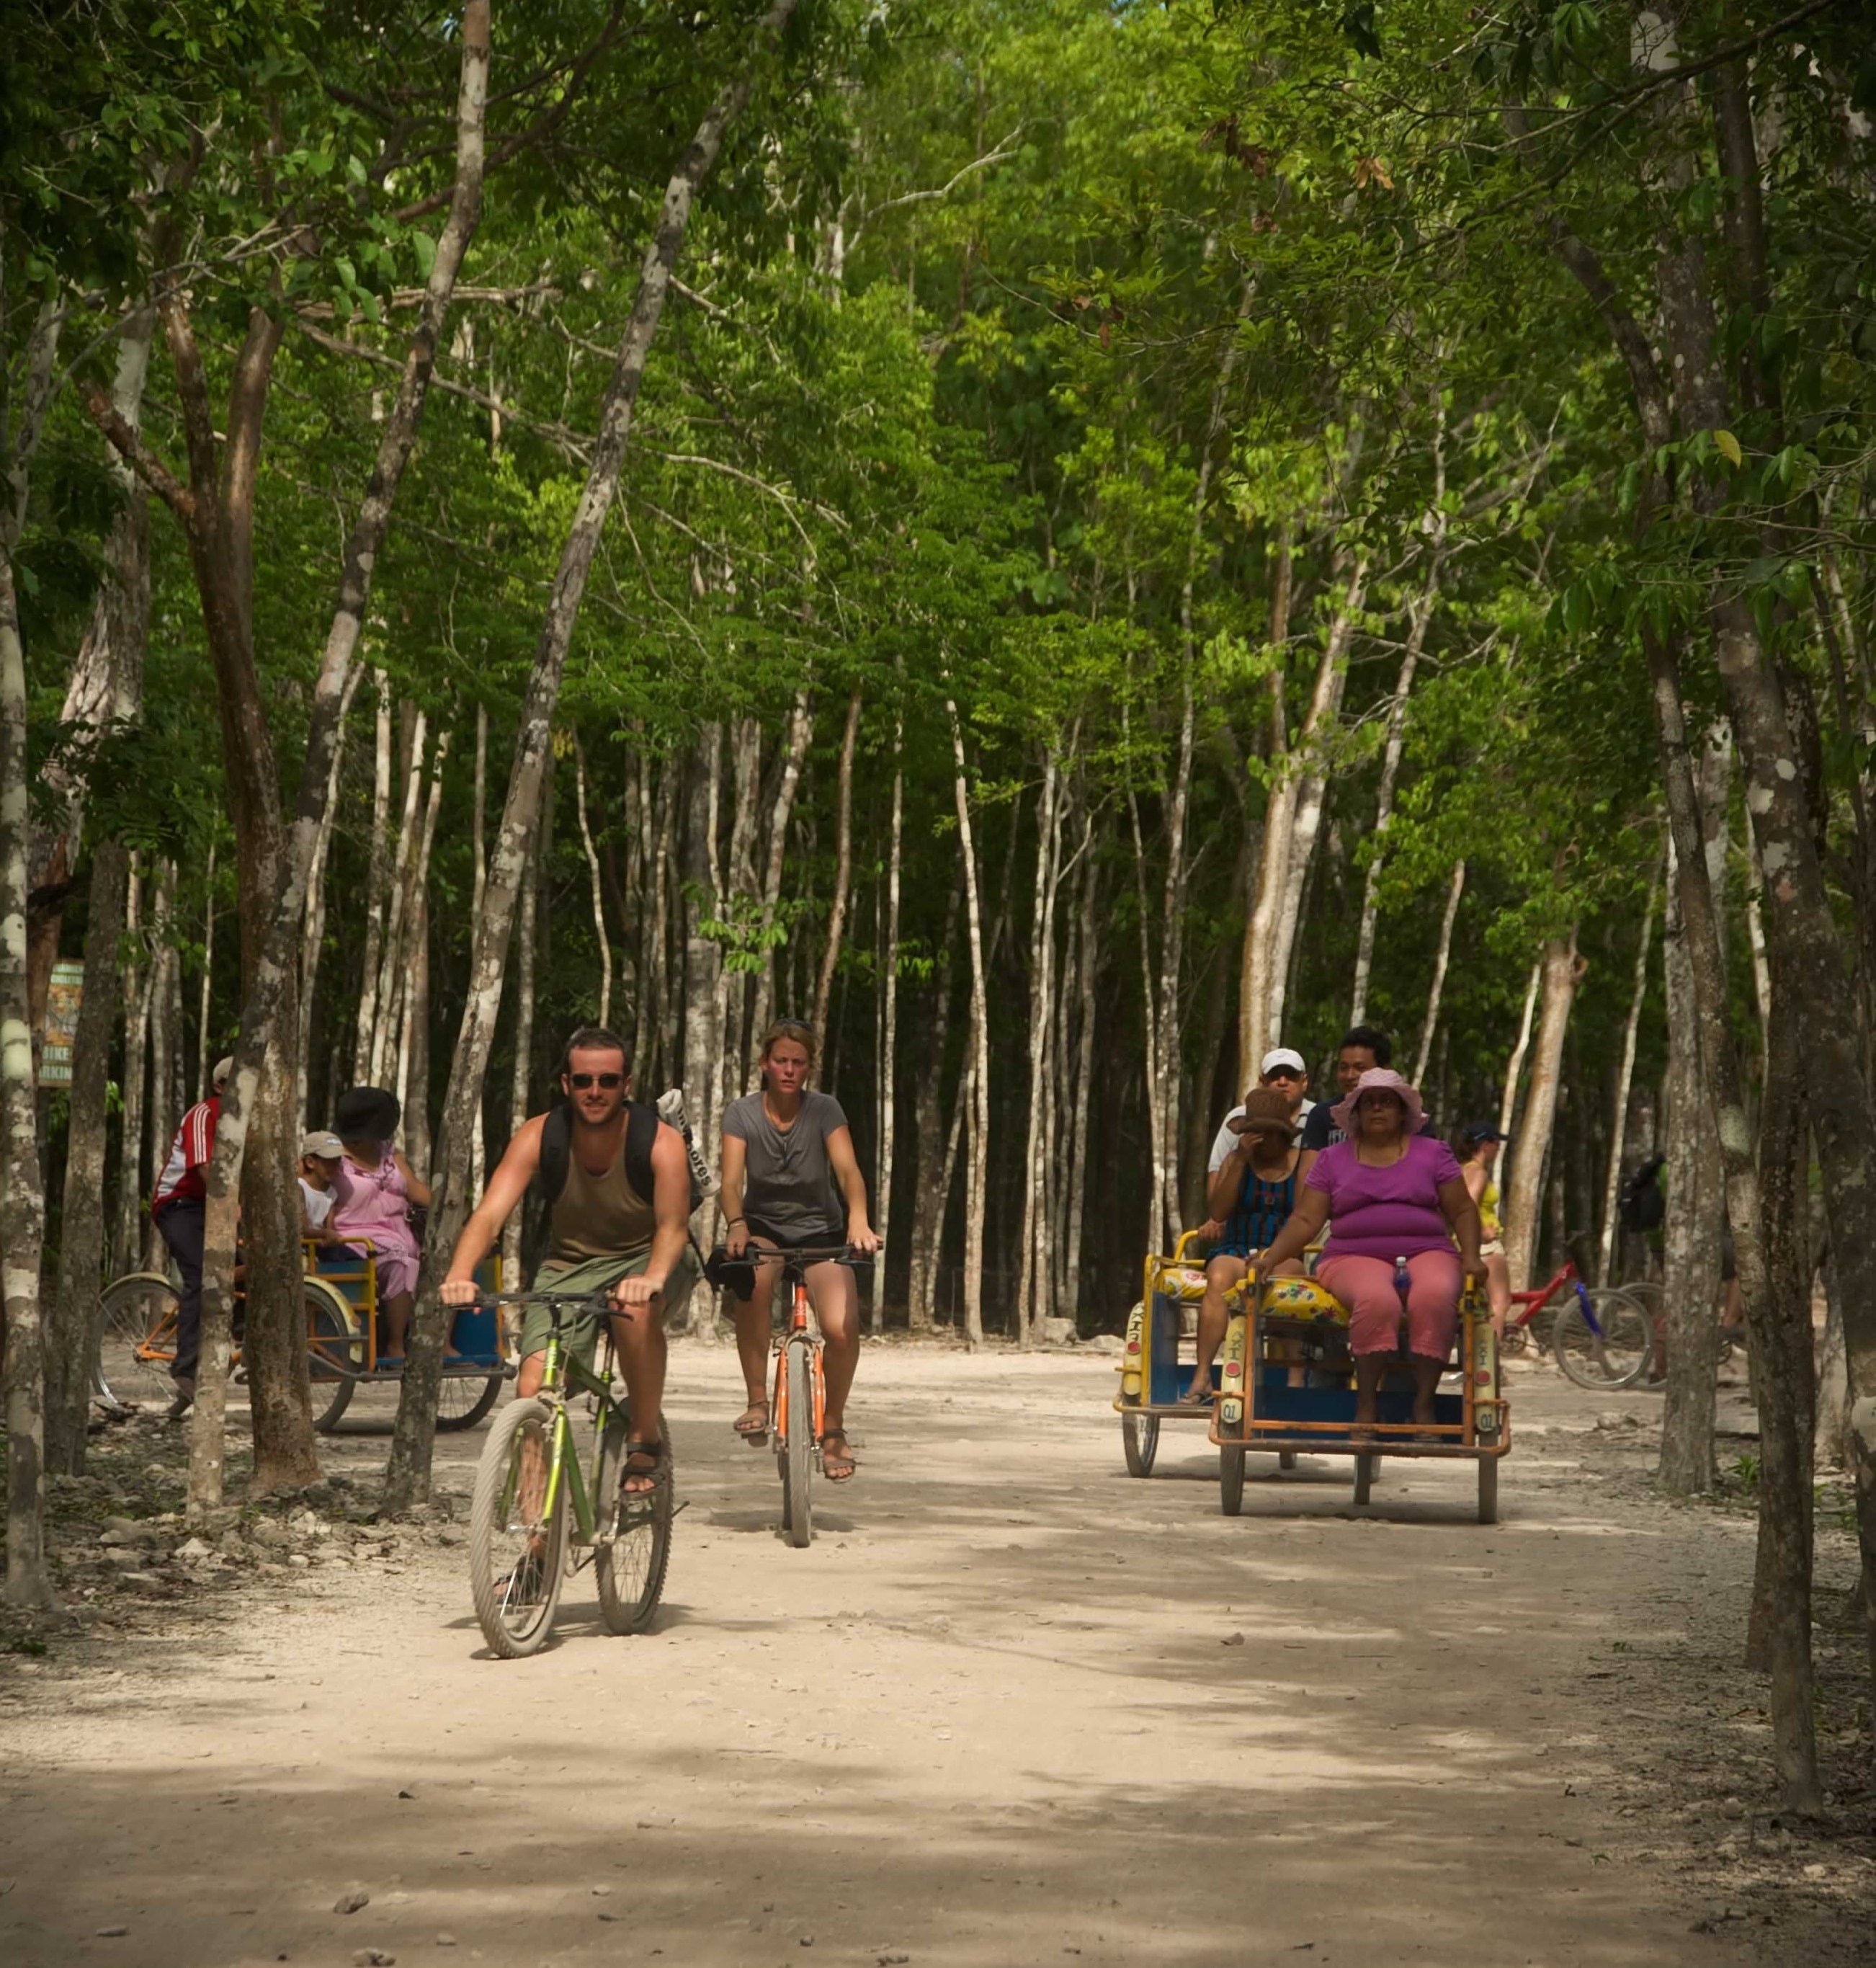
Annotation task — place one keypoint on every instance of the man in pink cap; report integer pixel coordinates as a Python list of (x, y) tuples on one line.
[(1394, 1194)]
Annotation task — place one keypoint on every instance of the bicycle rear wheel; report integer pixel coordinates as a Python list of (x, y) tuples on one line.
[(137, 1342), (634, 1534), (517, 1556), (797, 1459), (1617, 1356)]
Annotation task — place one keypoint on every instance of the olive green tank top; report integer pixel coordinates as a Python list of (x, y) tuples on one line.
[(599, 1215)]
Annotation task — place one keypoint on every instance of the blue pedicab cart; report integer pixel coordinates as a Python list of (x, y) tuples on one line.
[(1156, 1365), (342, 1338), (1286, 1383)]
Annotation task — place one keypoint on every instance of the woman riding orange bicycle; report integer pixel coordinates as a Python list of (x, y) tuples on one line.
[(789, 1181)]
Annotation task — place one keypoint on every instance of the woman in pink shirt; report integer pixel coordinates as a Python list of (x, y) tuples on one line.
[(372, 1195), (1388, 1192)]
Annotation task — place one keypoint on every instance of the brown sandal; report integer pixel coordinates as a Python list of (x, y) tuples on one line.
[(843, 1464), (752, 1423)]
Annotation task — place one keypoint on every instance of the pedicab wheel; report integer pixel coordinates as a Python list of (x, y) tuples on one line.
[(462, 1400), (1364, 1477), (334, 1351), (1286, 1458), (1139, 1436), (136, 1340), (1488, 1489), (635, 1531), (798, 1457), (517, 1562), (1230, 1481), (1619, 1357)]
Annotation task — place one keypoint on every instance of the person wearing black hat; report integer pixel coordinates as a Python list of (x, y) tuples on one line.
[(1477, 1146), (372, 1192)]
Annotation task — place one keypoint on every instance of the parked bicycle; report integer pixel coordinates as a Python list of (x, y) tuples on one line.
[(536, 1518), (1601, 1336)]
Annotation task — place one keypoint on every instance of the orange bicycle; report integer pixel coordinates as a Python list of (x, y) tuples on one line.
[(798, 1396)]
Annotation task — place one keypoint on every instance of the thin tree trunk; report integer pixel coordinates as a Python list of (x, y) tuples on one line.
[(127, 1248), (1514, 1066), (889, 1018), (408, 1477), (377, 883), (788, 779), (205, 1058), (657, 1026), (414, 1051), (843, 865), (1032, 1296), (1625, 1079), (1255, 971), (703, 960), (593, 872), (165, 1079), (519, 1085), (1437, 990), (1077, 1170), (931, 1189), (1324, 709), (1563, 969), (976, 1162), (380, 1057), (314, 946)]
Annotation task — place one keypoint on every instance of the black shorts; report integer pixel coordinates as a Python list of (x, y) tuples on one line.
[(783, 1241)]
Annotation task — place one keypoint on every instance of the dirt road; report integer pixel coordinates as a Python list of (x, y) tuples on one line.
[(1011, 1707)]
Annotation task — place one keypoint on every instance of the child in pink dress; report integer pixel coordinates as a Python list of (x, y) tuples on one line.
[(372, 1194)]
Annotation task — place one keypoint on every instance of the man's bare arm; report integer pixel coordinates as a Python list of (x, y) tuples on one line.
[(671, 1198), (507, 1186)]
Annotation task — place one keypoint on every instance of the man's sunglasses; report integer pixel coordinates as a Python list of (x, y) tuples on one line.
[(607, 1081), (1283, 1073)]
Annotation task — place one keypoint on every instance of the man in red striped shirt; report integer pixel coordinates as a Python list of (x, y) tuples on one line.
[(177, 1209)]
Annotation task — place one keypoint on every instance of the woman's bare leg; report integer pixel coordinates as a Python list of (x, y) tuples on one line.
[(396, 1312), (1221, 1275), (835, 1298), (751, 1324)]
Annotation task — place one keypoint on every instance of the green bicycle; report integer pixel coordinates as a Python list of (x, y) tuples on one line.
[(534, 1521)]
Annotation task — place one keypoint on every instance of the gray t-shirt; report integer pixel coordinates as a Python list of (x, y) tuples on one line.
[(788, 1185)]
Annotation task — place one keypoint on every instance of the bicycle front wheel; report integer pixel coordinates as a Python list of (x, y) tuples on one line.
[(798, 1455), (137, 1343), (517, 1552), (1611, 1352), (635, 1537)]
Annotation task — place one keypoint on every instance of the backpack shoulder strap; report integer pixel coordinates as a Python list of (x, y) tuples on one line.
[(642, 1125), (556, 1146)]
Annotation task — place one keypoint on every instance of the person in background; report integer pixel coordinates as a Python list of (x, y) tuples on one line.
[(320, 1155), (1251, 1197), (1477, 1149), (178, 1209), (1282, 1072), (1364, 1047), (789, 1181), (1394, 1192), (372, 1191)]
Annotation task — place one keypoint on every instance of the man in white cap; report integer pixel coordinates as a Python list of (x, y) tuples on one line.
[(1282, 1072), (178, 1209)]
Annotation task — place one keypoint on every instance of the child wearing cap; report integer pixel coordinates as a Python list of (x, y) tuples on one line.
[(320, 1153)]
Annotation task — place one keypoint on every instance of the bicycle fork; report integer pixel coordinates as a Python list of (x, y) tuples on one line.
[(799, 1332)]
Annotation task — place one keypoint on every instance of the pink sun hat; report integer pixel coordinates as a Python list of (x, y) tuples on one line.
[(1379, 1079)]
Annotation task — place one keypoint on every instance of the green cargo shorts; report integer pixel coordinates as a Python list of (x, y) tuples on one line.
[(580, 1335)]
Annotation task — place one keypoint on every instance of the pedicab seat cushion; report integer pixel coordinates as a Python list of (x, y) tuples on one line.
[(1303, 1298)]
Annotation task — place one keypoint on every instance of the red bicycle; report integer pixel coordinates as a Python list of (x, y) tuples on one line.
[(1603, 1338)]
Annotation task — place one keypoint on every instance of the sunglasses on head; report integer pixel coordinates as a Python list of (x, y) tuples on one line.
[(607, 1081)]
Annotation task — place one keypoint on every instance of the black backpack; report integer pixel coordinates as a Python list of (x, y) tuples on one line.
[(642, 1125), (1643, 1206)]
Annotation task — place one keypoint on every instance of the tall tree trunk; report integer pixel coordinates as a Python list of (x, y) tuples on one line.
[(1625, 1079), (519, 1084), (1032, 1296), (1514, 1066), (1696, 1204), (1254, 969), (843, 867), (931, 1182), (205, 1054), (1563, 970), (380, 1055), (598, 891), (1438, 988), (889, 1015), (22, 1198), (1084, 1070), (1305, 818), (976, 1179), (313, 947), (1157, 1226), (166, 1052), (408, 1477), (377, 885), (703, 958), (127, 1245), (787, 781)]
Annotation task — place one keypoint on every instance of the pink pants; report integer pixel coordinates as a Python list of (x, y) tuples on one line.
[(1366, 1286)]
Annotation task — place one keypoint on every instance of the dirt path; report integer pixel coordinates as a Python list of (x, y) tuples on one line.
[(1011, 1707)]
